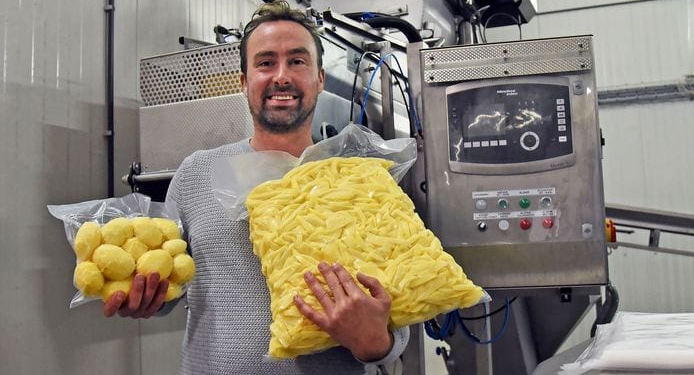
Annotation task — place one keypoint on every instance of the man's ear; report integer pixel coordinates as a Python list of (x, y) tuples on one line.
[(244, 84), (321, 79)]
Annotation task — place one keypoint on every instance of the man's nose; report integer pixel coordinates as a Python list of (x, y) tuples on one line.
[(282, 75)]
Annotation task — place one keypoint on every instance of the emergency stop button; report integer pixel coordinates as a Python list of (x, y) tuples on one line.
[(525, 224)]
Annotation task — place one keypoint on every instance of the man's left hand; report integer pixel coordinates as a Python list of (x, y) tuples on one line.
[(356, 320)]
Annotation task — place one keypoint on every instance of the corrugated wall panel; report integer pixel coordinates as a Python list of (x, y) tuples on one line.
[(647, 157), (648, 164), (52, 151), (640, 42), (205, 14)]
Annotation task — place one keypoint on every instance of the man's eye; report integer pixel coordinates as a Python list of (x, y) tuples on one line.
[(298, 62), (264, 63)]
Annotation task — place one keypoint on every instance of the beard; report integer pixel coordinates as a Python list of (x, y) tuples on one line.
[(286, 119)]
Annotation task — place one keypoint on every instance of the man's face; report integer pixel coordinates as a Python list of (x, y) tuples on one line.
[(282, 81)]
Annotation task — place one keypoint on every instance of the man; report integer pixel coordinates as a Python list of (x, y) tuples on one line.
[(229, 305)]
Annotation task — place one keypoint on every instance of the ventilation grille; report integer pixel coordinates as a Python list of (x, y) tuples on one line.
[(193, 74)]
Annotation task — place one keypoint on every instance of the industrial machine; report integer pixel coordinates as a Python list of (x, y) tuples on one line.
[(515, 193), (513, 180)]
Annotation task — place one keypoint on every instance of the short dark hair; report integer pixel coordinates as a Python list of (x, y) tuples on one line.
[(278, 11)]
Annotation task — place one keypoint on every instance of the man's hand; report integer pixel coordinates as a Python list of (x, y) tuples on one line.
[(357, 321), (146, 298)]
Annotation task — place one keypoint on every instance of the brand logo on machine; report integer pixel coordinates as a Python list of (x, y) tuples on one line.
[(507, 92)]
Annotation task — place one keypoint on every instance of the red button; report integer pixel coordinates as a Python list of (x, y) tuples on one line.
[(547, 223), (525, 224)]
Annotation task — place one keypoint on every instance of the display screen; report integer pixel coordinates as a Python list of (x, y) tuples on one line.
[(509, 123)]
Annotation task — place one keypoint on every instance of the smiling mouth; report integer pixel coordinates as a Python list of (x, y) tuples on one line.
[(282, 97)]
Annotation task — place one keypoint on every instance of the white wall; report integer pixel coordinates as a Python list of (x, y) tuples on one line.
[(53, 151)]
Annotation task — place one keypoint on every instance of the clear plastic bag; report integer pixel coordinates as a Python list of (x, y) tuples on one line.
[(234, 177), (642, 342), (101, 211), (328, 206)]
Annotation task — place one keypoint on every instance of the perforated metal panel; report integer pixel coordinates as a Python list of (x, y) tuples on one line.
[(193, 74), (465, 63)]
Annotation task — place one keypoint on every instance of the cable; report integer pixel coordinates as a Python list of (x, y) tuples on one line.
[(489, 314), (354, 83), (368, 86), (409, 93), (466, 331), (407, 99), (507, 15), (436, 332)]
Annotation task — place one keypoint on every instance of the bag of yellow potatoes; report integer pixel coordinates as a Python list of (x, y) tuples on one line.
[(111, 247), (350, 211)]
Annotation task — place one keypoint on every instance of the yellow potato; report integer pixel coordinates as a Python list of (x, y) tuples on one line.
[(155, 261), (147, 231), (174, 247), (351, 211), (111, 287), (174, 291), (135, 248), (116, 231), (168, 227), (183, 269), (114, 262), (88, 278), (87, 239)]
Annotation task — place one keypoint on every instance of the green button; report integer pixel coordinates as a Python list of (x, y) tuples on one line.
[(524, 203), (503, 204)]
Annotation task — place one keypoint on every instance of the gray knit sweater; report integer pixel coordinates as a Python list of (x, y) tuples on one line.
[(227, 331)]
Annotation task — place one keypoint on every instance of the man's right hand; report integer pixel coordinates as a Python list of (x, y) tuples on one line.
[(145, 299)]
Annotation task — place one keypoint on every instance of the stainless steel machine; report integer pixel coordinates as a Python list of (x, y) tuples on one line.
[(513, 160), (514, 189)]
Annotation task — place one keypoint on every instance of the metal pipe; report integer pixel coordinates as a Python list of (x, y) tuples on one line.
[(110, 9), (149, 177), (665, 250), (387, 110)]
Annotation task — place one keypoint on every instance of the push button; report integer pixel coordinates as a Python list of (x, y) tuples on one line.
[(524, 203), (529, 141), (503, 204), (503, 225), (482, 226), (548, 223), (481, 205), (546, 202), (525, 224)]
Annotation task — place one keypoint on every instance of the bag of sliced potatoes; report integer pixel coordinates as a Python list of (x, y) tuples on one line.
[(347, 209), (115, 239)]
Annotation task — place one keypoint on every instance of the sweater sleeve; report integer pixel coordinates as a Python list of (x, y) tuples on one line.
[(401, 337)]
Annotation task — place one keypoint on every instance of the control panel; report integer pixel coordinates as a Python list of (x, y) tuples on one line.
[(513, 169)]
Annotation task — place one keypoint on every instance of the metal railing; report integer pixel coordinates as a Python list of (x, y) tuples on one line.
[(655, 222)]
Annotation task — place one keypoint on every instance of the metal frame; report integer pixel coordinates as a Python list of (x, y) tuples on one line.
[(655, 221)]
